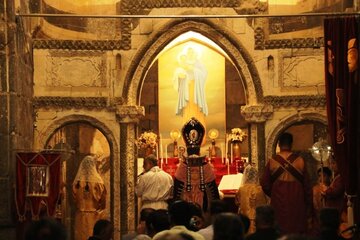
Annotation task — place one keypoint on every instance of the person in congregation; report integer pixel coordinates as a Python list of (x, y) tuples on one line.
[(216, 207), (154, 186), (286, 182), (334, 194), (194, 177), (180, 214), (250, 195), (265, 224), (228, 226), (89, 193), (103, 230)]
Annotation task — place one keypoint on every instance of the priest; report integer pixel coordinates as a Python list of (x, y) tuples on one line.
[(195, 178)]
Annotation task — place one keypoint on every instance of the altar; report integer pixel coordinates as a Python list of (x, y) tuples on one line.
[(221, 166)]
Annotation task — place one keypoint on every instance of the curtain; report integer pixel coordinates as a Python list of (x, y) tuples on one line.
[(342, 95), (37, 182)]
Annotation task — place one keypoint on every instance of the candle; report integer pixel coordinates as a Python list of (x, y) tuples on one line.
[(161, 148), (157, 151), (222, 152), (228, 166), (231, 153), (166, 155), (350, 212), (226, 149)]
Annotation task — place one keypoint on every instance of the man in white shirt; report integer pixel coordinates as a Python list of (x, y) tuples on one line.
[(154, 186)]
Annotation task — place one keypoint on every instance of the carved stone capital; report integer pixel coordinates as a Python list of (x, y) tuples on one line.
[(257, 113), (130, 114)]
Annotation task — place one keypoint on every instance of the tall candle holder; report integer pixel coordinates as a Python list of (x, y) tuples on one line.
[(213, 134), (175, 135)]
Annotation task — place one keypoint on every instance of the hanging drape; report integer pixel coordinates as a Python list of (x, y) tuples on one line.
[(37, 182), (342, 95)]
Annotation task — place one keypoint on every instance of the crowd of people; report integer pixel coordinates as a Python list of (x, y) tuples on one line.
[(280, 204)]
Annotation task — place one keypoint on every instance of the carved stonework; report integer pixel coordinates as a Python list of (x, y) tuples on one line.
[(295, 65), (262, 43), (75, 69), (128, 114), (71, 102), (257, 113), (296, 101), (134, 7), (78, 44)]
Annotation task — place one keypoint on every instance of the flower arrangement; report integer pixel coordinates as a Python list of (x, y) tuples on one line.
[(237, 135), (147, 139)]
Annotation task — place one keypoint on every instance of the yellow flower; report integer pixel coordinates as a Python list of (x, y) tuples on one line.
[(237, 135), (147, 139)]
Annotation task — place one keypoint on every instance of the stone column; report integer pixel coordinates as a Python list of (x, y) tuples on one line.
[(16, 113), (256, 116), (128, 117)]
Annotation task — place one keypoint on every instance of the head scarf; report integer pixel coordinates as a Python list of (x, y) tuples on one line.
[(87, 171), (250, 176)]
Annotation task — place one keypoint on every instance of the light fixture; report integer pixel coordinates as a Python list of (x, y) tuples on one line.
[(213, 134), (175, 135), (321, 151)]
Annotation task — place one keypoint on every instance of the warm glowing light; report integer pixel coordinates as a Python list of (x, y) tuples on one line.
[(175, 135), (283, 2), (213, 133)]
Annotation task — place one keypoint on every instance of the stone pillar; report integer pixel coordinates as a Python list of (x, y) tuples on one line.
[(16, 113), (128, 117), (256, 116)]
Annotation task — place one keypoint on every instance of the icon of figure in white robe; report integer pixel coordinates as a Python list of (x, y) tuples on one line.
[(189, 81)]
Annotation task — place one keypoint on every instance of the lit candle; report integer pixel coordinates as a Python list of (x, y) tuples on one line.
[(228, 166), (166, 155), (161, 148), (226, 149), (350, 212), (231, 153), (157, 151), (222, 152)]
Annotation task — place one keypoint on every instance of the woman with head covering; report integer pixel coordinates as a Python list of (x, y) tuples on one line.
[(250, 195), (89, 193)]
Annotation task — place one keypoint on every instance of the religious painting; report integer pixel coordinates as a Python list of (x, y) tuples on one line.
[(191, 84), (294, 28), (37, 182)]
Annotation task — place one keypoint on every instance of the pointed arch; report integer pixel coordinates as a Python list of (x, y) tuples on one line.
[(218, 34)]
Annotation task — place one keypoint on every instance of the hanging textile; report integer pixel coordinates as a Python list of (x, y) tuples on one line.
[(37, 182), (342, 95)]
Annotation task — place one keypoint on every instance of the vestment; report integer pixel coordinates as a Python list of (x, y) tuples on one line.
[(154, 187), (334, 195), (195, 183), (287, 184), (89, 193), (250, 195), (176, 230)]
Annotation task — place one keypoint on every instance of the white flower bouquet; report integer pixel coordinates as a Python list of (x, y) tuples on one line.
[(147, 140), (237, 135)]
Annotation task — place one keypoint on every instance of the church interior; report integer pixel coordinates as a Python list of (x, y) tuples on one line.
[(91, 77)]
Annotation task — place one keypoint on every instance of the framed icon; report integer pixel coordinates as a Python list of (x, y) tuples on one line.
[(37, 181)]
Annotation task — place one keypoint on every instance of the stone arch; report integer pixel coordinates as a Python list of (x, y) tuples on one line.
[(108, 132), (219, 34), (283, 125)]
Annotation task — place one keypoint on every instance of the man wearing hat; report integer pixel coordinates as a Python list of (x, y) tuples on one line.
[(195, 178)]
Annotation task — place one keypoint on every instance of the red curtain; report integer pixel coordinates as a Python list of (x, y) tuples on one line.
[(342, 95), (24, 202)]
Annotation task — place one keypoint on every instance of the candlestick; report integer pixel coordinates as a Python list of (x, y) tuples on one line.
[(166, 154), (231, 153), (228, 166), (161, 148), (222, 152)]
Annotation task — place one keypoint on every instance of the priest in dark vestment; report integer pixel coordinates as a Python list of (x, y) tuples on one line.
[(195, 178), (286, 182)]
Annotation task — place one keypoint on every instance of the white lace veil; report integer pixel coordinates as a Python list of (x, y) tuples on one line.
[(251, 175), (87, 171)]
